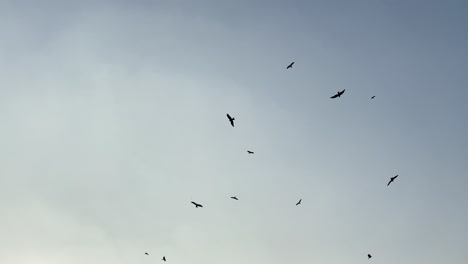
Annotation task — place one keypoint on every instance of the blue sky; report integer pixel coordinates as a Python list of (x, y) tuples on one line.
[(114, 119)]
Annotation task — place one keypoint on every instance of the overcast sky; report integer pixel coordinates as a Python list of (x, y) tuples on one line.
[(113, 118)]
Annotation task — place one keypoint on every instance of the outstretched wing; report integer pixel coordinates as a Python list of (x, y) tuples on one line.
[(389, 182), (229, 117), (335, 96)]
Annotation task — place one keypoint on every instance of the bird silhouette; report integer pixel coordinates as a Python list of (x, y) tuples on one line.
[(372, 97), (392, 179), (298, 203), (231, 119), (250, 152), (164, 258), (290, 65), (338, 94), (197, 205), (146, 253), (235, 198), (369, 256)]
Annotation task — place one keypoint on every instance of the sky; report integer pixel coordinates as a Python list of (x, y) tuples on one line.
[(114, 119)]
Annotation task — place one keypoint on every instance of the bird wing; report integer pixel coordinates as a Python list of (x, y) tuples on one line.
[(389, 182), (232, 122), (228, 116), (335, 96), (342, 92)]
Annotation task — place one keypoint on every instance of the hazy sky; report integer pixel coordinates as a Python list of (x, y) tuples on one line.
[(113, 118)]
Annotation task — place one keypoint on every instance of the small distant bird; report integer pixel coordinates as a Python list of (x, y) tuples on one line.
[(290, 65), (231, 119), (235, 198), (164, 258), (298, 203), (250, 152), (338, 94), (146, 253), (372, 97), (369, 256), (197, 205), (392, 179)]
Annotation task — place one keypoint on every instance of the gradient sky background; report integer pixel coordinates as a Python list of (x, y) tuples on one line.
[(113, 119)]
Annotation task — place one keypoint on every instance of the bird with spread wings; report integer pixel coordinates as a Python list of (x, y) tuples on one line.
[(197, 205), (339, 94), (392, 179), (231, 119)]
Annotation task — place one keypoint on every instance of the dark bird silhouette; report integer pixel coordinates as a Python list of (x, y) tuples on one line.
[(197, 205), (250, 152), (146, 253), (290, 65), (298, 203), (338, 94), (231, 119), (235, 198), (372, 97), (164, 258), (369, 256), (392, 179)]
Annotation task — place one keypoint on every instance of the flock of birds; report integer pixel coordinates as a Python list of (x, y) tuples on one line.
[(232, 119)]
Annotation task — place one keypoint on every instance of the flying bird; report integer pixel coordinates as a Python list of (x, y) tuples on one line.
[(250, 152), (338, 94), (290, 65), (298, 203), (235, 198), (372, 97), (369, 256), (392, 179), (231, 119), (197, 205), (164, 258), (146, 253)]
